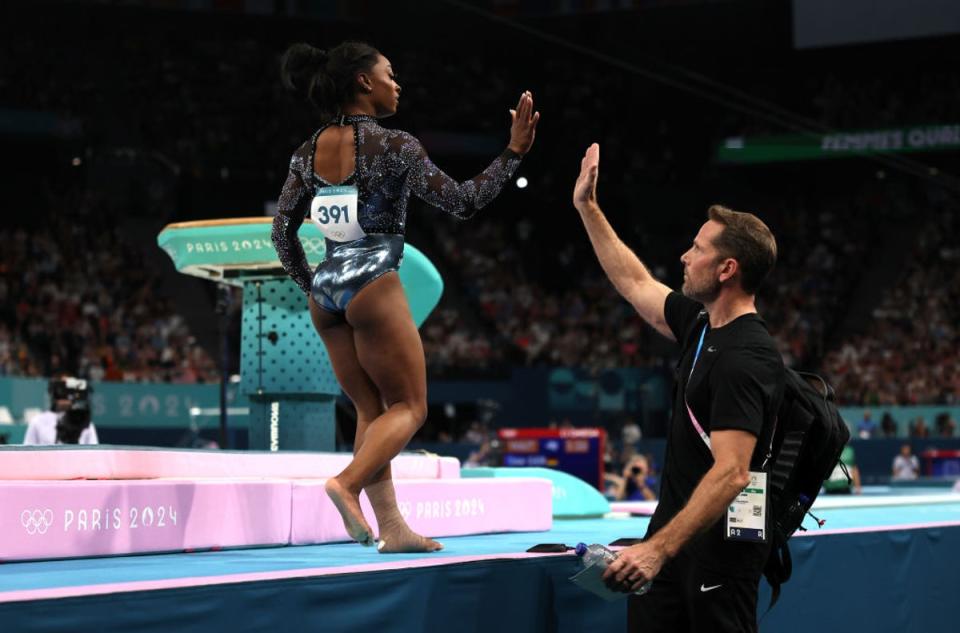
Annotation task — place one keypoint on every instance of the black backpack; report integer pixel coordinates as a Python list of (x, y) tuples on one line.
[(807, 442)]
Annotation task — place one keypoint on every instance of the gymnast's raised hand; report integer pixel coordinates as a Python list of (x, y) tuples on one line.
[(523, 128)]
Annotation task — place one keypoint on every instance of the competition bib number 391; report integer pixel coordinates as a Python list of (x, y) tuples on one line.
[(334, 211)]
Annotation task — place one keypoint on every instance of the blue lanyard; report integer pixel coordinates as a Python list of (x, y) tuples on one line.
[(696, 356), (693, 418)]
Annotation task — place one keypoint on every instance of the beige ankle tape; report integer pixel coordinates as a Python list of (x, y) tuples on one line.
[(395, 534), (383, 498)]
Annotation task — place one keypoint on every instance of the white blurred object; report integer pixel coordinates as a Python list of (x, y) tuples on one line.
[(30, 412), (631, 433), (522, 182), (5, 417)]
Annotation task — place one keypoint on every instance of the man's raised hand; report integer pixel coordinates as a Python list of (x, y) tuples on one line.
[(585, 191)]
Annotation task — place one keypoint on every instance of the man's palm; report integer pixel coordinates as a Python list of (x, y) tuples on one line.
[(585, 191)]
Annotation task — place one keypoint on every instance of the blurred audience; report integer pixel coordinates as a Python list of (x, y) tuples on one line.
[(888, 426), (945, 425), (918, 428), (866, 427), (75, 298), (906, 466), (910, 352)]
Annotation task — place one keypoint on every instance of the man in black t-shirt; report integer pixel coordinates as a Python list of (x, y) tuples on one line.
[(706, 545)]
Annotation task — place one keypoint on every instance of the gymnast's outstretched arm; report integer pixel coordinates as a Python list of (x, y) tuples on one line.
[(624, 269), (464, 199)]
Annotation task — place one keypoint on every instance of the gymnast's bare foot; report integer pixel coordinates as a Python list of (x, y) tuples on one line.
[(395, 535), (349, 507), (399, 539)]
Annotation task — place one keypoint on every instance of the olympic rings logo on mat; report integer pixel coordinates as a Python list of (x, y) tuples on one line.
[(37, 521)]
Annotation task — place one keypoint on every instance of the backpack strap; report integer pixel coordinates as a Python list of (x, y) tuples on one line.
[(778, 569)]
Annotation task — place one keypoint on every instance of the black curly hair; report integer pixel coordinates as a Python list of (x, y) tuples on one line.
[(326, 79)]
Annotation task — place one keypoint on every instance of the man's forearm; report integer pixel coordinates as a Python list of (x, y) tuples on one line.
[(620, 264), (718, 488)]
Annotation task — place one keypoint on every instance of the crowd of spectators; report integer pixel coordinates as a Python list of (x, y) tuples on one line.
[(583, 324), (574, 317), (867, 428), (910, 351), (75, 299)]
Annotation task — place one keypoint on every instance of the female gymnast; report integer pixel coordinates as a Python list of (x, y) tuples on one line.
[(354, 178)]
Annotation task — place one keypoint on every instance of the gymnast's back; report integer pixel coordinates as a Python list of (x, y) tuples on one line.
[(389, 166)]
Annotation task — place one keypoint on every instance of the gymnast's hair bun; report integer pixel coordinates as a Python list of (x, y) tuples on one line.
[(327, 79), (300, 68)]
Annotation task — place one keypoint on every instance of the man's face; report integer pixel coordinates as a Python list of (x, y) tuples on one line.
[(702, 265)]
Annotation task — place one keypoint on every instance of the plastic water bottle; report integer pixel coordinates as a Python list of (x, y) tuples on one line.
[(597, 554)]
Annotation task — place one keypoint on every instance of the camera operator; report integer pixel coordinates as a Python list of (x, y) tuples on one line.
[(637, 482), (68, 421)]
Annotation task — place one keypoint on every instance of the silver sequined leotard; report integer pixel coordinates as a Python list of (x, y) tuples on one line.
[(390, 165)]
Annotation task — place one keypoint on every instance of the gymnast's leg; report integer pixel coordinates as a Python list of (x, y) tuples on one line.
[(337, 337), (385, 331)]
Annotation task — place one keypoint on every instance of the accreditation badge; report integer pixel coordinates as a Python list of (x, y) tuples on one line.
[(334, 210), (747, 514)]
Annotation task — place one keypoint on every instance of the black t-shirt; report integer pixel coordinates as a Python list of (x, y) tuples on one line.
[(737, 383)]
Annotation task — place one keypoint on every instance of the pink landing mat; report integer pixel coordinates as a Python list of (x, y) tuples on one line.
[(640, 508), (42, 519), (434, 508), (105, 463), (72, 519)]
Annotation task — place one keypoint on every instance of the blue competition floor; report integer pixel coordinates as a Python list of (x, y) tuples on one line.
[(478, 595), (72, 573), (908, 489), (883, 516), (65, 573)]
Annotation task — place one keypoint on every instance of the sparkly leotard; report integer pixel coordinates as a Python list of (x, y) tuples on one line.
[(390, 166)]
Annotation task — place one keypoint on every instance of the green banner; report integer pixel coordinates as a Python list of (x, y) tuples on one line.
[(790, 147)]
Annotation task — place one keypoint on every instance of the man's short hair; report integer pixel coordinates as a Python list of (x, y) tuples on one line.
[(748, 240)]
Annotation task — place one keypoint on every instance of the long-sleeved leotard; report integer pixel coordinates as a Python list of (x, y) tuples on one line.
[(390, 166)]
